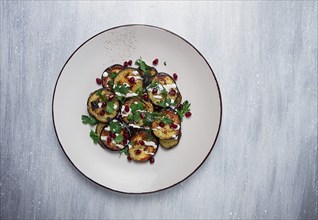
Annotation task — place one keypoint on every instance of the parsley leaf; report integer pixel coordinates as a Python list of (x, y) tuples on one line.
[(119, 138), (124, 150), (115, 126), (99, 93), (186, 108), (94, 136), (121, 90), (113, 75), (137, 106), (142, 65), (152, 85), (130, 117), (110, 107), (166, 120), (89, 120), (136, 116)]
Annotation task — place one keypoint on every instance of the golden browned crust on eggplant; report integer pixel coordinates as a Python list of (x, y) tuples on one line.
[(164, 80), (147, 107), (170, 143), (95, 112), (139, 152), (167, 132), (123, 77)]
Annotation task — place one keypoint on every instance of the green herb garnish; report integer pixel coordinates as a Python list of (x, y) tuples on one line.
[(115, 126), (152, 85), (124, 151), (137, 106), (89, 120), (121, 89), (185, 108), (94, 136), (166, 120), (113, 75), (110, 107), (136, 116), (142, 65), (119, 138), (99, 93)]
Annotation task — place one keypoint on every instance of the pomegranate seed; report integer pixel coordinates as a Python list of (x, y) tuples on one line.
[(174, 126), (125, 64), (102, 112), (112, 135), (125, 141), (130, 62), (126, 108), (161, 124), (172, 92), (99, 81), (129, 158), (152, 160), (132, 80), (141, 142), (126, 136), (111, 96), (145, 96), (103, 104), (137, 152), (154, 91), (142, 115), (175, 76), (188, 114), (180, 107), (155, 61), (109, 139)]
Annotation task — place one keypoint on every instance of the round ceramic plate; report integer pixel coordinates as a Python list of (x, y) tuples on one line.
[(196, 83)]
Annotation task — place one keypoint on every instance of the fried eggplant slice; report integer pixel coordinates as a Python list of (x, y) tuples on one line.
[(103, 105), (134, 111), (168, 126), (170, 143), (142, 146), (128, 83), (114, 135), (109, 74), (163, 90)]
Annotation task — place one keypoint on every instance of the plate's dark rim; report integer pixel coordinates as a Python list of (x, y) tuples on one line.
[(128, 25)]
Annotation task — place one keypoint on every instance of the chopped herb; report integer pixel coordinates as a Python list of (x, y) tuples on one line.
[(163, 103), (111, 83), (122, 99), (152, 85), (137, 106), (124, 151), (115, 127), (119, 138), (186, 108), (166, 120), (142, 65), (121, 89), (110, 107), (99, 93), (94, 136), (130, 117), (165, 63), (136, 116), (113, 75), (89, 120)]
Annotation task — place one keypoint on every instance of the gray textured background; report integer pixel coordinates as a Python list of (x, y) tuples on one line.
[(264, 164)]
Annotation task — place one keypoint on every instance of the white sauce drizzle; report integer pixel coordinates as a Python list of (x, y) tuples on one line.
[(134, 126), (100, 104), (107, 128), (105, 74), (103, 138), (168, 87), (157, 96), (123, 112), (150, 143), (135, 72), (131, 94)]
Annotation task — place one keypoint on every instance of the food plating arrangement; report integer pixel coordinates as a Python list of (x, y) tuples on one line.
[(136, 110)]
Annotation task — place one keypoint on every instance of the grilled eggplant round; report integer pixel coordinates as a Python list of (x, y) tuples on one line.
[(163, 90), (170, 143), (130, 117), (143, 146), (98, 130), (95, 108), (110, 142), (167, 131), (108, 78), (124, 79)]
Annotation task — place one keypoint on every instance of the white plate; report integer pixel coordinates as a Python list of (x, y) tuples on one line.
[(196, 83)]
